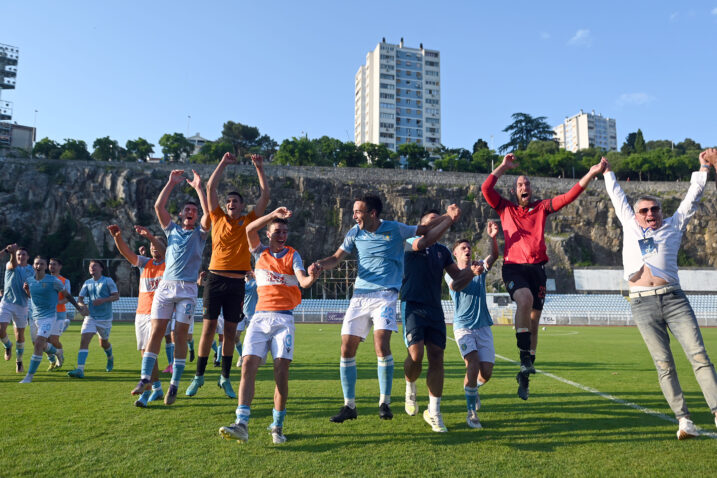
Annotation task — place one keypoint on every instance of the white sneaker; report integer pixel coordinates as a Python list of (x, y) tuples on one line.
[(472, 420), (235, 431), (436, 422), (277, 435), (411, 405), (687, 429), (27, 379)]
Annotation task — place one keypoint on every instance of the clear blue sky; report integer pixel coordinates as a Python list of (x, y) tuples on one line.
[(130, 69)]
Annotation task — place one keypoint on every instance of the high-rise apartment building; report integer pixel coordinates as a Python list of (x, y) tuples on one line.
[(8, 72), (398, 97), (587, 130)]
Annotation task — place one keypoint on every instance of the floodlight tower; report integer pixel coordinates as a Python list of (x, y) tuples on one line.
[(8, 73)]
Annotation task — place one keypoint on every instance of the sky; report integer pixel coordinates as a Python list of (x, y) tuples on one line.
[(132, 69)]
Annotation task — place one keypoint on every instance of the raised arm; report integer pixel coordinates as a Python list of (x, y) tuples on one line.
[(122, 246), (11, 249), (622, 207), (263, 185), (144, 232), (460, 277), (488, 186), (212, 197), (688, 206), (306, 280), (160, 205), (492, 230), (196, 183), (430, 233), (562, 200), (252, 230)]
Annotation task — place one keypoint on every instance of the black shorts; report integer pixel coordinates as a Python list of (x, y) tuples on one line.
[(530, 276), (423, 323), (223, 294)]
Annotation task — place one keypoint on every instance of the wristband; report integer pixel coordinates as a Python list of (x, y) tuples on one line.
[(705, 166)]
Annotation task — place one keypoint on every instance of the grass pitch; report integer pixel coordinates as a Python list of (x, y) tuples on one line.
[(70, 427)]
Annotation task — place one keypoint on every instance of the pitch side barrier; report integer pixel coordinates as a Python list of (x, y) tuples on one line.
[(559, 309)]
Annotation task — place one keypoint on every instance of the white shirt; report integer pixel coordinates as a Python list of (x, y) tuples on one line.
[(667, 238)]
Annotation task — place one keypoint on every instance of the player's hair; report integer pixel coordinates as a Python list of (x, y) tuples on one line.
[(646, 197), (190, 203), (459, 242), (373, 203), (42, 258), (22, 248), (97, 261), (278, 220), (160, 239), (234, 193), (430, 211), (56, 260)]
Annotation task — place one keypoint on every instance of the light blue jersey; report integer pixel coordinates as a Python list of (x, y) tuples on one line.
[(99, 289), (250, 297), (44, 296), (184, 252), (380, 255), (14, 280), (471, 307)]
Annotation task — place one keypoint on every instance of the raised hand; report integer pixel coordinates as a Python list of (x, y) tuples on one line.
[(196, 181), (176, 176), (510, 161), (229, 158), (282, 213), (598, 167), (142, 250), (492, 229), (114, 230), (477, 267), (11, 248), (258, 160), (454, 212), (314, 270), (709, 156)]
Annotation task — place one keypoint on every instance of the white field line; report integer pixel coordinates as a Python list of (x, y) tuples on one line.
[(607, 396)]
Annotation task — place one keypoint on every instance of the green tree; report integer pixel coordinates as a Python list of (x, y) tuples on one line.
[(683, 147), (265, 146), (75, 149), (175, 146), (543, 147), (297, 152), (138, 149), (525, 129), (658, 144), (106, 149), (242, 136), (640, 142), (480, 144), (47, 148), (378, 155), (628, 147), (416, 155), (211, 152), (484, 160), (561, 162)]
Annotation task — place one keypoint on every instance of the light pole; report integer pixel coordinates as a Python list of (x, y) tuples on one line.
[(189, 118)]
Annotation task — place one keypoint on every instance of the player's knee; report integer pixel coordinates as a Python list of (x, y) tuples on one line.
[(523, 298)]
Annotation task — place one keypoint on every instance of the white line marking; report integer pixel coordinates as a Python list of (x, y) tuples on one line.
[(607, 396)]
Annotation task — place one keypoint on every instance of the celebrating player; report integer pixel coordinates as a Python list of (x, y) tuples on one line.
[(279, 272), (525, 254), (13, 305)]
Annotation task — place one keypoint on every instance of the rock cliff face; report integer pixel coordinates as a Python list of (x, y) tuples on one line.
[(62, 208)]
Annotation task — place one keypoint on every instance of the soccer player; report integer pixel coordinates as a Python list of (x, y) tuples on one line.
[(177, 292), (472, 321), (279, 273), (13, 305), (224, 290), (43, 290), (250, 299), (379, 247), (649, 253), (525, 255), (55, 267), (151, 272), (424, 325), (99, 291)]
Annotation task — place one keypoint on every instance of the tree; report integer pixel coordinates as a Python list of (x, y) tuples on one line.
[(243, 137), (480, 144), (658, 144), (175, 147), (416, 155), (47, 148), (297, 152), (543, 147), (350, 156), (687, 145), (106, 149), (211, 152), (639, 142), (628, 147), (378, 155), (525, 129), (75, 149), (265, 146), (139, 149)]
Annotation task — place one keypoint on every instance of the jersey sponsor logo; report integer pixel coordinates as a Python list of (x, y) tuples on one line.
[(464, 346), (511, 284), (287, 343)]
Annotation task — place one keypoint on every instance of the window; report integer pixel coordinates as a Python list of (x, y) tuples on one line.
[(386, 105), (387, 96), (386, 125), (431, 63), (386, 76), (386, 115), (431, 101), (385, 135)]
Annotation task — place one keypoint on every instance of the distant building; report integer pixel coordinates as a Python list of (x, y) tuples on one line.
[(17, 136), (587, 130), (198, 142), (9, 56), (398, 97)]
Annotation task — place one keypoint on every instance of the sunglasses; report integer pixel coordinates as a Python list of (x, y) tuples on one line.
[(653, 210)]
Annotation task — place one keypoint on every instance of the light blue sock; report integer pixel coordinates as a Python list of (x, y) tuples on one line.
[(108, 352), (145, 396), (348, 380), (190, 344), (169, 349), (148, 361), (278, 418), (385, 377), (238, 348), (243, 413), (82, 358), (471, 395), (177, 371), (214, 346), (20, 350), (157, 385), (34, 363), (6, 342)]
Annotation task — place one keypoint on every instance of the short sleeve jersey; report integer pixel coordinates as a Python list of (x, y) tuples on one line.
[(250, 297), (277, 284), (66, 283), (150, 275), (230, 248), (183, 257), (44, 295), (471, 307), (379, 254), (422, 273), (99, 289), (14, 280)]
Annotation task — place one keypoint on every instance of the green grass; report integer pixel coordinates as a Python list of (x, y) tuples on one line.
[(69, 427)]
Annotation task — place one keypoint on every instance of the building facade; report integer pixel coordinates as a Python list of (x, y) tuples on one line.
[(587, 130), (9, 56), (398, 97)]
